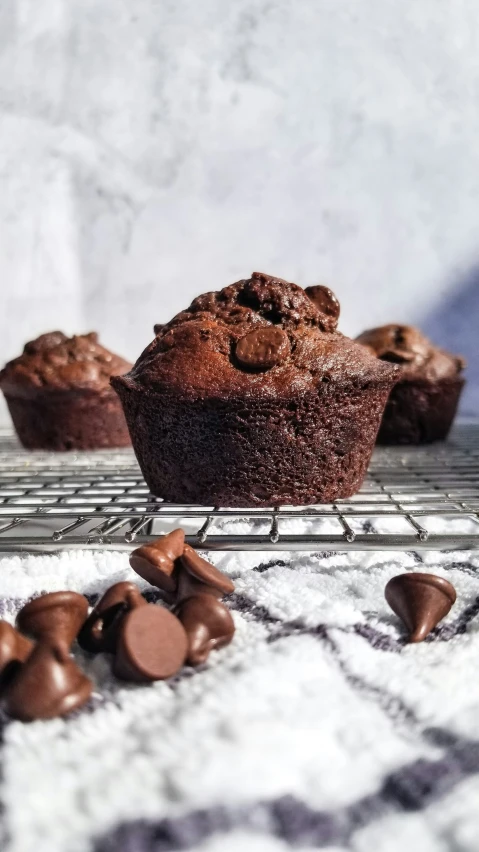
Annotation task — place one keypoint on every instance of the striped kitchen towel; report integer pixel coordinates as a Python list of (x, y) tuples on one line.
[(317, 728)]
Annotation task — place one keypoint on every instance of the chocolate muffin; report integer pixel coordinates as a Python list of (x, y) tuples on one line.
[(252, 398), (423, 403), (59, 395)]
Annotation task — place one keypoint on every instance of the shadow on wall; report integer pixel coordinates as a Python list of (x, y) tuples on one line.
[(454, 324)]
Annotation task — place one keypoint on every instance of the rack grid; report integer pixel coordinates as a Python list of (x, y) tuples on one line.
[(418, 497)]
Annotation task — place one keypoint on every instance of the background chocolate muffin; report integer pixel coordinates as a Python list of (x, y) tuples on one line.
[(423, 403), (252, 398), (59, 395)]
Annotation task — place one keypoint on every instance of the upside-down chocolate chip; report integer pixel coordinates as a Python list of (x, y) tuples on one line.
[(55, 617), (208, 625), (48, 684), (100, 630), (420, 600), (155, 561), (263, 348), (151, 645), (326, 303)]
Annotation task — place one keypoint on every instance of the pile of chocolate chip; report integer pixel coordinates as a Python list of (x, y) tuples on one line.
[(40, 679)]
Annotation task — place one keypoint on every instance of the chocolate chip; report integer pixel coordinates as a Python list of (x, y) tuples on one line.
[(326, 303), (208, 625), (45, 342), (55, 617), (204, 572), (152, 645), (397, 344), (188, 586), (397, 356), (155, 562), (48, 684), (100, 630), (14, 650), (420, 601), (263, 348)]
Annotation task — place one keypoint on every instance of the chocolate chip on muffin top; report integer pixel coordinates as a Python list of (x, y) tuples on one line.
[(410, 348), (59, 362), (256, 336)]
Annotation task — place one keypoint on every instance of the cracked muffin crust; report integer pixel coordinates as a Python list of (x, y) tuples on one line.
[(59, 395), (252, 397), (422, 405)]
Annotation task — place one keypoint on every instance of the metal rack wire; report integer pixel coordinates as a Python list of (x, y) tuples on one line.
[(420, 497)]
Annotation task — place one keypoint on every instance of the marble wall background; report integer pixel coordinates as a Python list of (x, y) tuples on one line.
[(152, 149)]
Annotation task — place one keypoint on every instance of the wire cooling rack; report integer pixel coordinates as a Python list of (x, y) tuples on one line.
[(420, 497)]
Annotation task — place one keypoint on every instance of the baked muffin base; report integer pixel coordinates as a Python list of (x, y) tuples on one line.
[(420, 411), (66, 420), (314, 448)]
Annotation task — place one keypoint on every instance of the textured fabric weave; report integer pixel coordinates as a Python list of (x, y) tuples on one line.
[(317, 728)]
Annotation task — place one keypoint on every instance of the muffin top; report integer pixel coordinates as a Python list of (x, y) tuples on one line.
[(56, 362), (417, 356), (261, 337)]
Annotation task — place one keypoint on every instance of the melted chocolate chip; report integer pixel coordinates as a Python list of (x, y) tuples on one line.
[(398, 356), (263, 348), (406, 345), (326, 303), (45, 342)]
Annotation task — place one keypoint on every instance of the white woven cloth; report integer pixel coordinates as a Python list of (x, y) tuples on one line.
[(317, 728)]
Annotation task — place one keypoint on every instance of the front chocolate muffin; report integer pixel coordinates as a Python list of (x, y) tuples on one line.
[(252, 398), (59, 396), (423, 403)]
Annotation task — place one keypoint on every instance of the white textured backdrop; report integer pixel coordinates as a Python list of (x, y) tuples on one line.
[(151, 150)]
